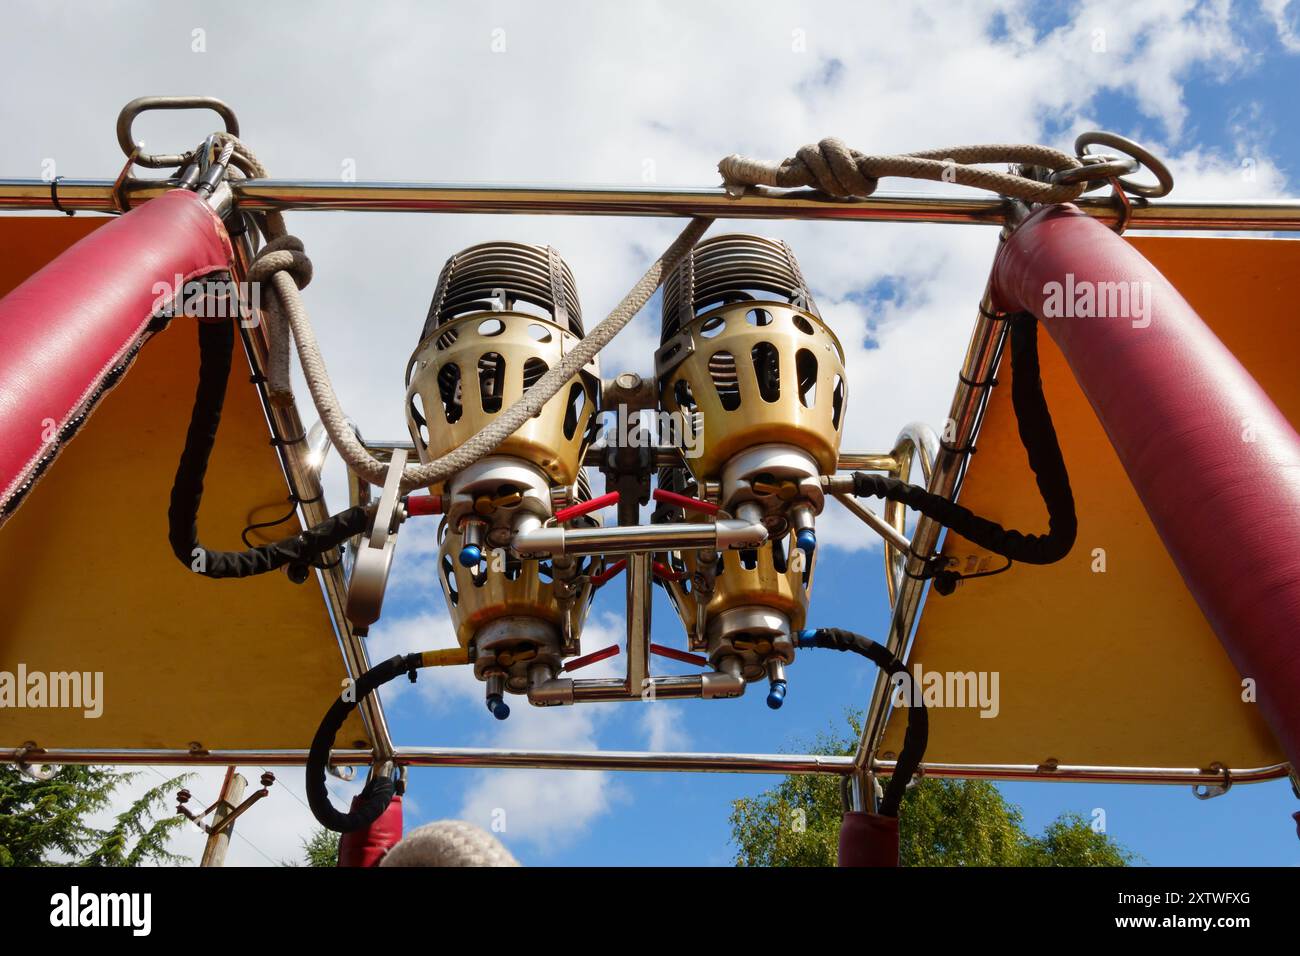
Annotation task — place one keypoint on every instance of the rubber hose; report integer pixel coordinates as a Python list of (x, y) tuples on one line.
[(378, 791)]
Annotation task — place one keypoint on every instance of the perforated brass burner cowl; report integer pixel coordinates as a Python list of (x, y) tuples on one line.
[(504, 314), (746, 357), (757, 380)]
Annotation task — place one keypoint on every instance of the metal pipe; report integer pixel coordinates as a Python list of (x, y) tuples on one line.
[(865, 461), (639, 539), (915, 441), (656, 762), (627, 760), (706, 686), (261, 195), (874, 522), (610, 689), (1171, 776)]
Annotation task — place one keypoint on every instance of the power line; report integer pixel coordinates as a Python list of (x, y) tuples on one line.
[(255, 847), (289, 791)]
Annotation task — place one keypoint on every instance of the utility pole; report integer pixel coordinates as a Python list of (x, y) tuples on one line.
[(232, 792), (227, 807)]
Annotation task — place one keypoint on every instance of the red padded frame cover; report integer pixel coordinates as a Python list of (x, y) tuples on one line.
[(67, 329), (1215, 463), (367, 846)]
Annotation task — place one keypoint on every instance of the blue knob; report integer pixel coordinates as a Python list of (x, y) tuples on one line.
[(806, 541), (807, 637), (776, 696), (470, 556), (500, 709)]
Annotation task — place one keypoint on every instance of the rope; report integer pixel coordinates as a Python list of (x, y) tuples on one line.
[(830, 166), (835, 169)]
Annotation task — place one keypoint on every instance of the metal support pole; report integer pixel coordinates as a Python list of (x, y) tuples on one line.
[(640, 588), (262, 195)]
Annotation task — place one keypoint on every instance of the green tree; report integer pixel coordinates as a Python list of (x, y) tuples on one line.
[(319, 849), (941, 823), (43, 822)]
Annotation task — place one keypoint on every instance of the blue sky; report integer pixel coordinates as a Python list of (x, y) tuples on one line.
[(658, 92)]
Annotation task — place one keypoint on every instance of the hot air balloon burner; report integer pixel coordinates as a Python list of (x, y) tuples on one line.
[(747, 361), (504, 314)]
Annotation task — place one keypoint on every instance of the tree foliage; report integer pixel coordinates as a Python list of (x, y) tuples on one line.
[(44, 822), (319, 849), (941, 823)]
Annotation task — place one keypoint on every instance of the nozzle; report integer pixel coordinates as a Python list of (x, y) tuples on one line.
[(471, 551), (802, 520), (806, 541), (497, 705), (776, 695), (496, 691), (776, 692)]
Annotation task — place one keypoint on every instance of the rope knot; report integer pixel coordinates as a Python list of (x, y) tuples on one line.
[(284, 254), (833, 168), (829, 166)]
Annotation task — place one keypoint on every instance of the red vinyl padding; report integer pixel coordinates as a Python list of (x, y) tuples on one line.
[(367, 846), (65, 328), (1215, 463)]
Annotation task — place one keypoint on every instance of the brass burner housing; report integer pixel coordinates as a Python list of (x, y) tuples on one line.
[(748, 363), (502, 316)]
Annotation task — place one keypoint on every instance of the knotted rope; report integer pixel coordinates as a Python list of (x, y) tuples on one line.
[(835, 169)]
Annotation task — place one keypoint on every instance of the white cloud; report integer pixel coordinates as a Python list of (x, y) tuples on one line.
[(664, 726), (543, 808), (1284, 21)]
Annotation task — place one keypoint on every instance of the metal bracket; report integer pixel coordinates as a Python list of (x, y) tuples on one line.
[(375, 555), (673, 352), (1210, 791), (38, 772)]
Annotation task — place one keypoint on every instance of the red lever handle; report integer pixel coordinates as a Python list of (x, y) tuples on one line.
[(684, 656), (591, 658), (663, 571), (587, 507), (683, 501), (600, 577)]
